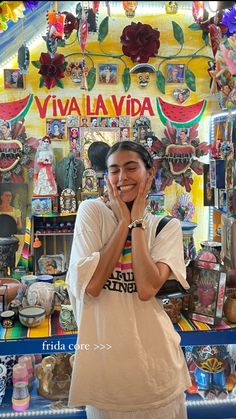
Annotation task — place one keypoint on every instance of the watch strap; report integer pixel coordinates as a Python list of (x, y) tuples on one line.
[(137, 223)]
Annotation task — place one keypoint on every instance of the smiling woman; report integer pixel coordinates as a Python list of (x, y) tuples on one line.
[(117, 266)]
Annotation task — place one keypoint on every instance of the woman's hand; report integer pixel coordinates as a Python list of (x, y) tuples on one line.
[(141, 201), (115, 203)]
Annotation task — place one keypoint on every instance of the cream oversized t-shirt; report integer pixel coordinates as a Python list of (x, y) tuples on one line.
[(142, 365)]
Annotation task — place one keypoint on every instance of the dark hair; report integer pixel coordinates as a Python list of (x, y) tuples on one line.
[(97, 152), (132, 146)]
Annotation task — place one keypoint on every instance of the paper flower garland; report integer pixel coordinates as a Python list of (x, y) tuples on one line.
[(229, 19), (140, 42)]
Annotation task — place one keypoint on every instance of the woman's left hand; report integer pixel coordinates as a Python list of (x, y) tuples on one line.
[(141, 201)]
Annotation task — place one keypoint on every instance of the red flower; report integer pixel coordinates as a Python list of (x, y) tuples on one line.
[(140, 42), (52, 69)]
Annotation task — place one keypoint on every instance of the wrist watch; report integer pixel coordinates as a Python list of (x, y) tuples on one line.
[(138, 223)]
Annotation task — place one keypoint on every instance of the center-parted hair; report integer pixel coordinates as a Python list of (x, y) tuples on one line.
[(132, 146)]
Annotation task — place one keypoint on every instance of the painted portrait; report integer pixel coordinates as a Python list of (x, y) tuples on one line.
[(13, 202), (108, 73), (13, 79), (56, 129), (125, 134), (182, 136), (175, 73), (74, 139)]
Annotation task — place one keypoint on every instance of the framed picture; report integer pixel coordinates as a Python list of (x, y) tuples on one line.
[(108, 73), (89, 135), (228, 239), (207, 295), (74, 139), (84, 121), (124, 121), (182, 136), (113, 122), (181, 95), (175, 73), (230, 201), (72, 121), (95, 122), (56, 129), (104, 122), (208, 194), (143, 134), (13, 79), (51, 264), (230, 173), (125, 134), (13, 202)]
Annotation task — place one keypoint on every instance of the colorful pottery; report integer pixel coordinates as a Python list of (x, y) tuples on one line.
[(32, 316)]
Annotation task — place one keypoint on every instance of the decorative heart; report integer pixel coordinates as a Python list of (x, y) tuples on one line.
[(10, 154), (181, 95)]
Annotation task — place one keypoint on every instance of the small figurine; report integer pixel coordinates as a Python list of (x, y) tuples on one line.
[(44, 180)]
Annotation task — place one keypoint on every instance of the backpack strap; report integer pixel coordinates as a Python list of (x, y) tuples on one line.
[(162, 223)]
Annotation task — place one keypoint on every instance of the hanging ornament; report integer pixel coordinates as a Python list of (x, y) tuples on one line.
[(56, 22), (130, 7), (84, 84), (171, 7), (37, 243), (83, 32), (198, 11), (108, 8), (95, 6), (23, 58)]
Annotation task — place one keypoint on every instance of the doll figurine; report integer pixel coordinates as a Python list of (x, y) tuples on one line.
[(44, 179)]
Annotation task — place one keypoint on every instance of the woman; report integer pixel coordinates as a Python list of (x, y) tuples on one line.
[(7, 208), (116, 268)]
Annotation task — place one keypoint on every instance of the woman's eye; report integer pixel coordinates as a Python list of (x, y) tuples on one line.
[(113, 172), (132, 169)]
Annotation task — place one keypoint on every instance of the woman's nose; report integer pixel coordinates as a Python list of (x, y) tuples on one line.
[(123, 174)]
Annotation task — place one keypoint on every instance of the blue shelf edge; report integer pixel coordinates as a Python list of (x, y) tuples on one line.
[(67, 343)]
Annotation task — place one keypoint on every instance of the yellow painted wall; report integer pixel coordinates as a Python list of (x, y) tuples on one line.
[(157, 18)]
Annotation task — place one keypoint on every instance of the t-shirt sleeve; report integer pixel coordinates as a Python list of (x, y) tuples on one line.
[(85, 251), (168, 248)]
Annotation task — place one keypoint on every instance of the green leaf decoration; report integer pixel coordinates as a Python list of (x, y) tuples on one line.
[(160, 81), (41, 82), (190, 80), (78, 10), (178, 33), (194, 27), (60, 84), (205, 37), (36, 64), (91, 78), (103, 29), (205, 14), (64, 65), (126, 80), (61, 43)]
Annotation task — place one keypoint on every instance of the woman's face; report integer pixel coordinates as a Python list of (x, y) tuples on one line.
[(126, 170), (6, 197)]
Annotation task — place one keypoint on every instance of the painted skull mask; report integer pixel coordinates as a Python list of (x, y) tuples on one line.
[(143, 79)]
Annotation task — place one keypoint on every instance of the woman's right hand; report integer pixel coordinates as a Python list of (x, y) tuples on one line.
[(115, 203)]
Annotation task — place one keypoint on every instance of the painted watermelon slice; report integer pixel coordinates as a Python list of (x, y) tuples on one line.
[(180, 116), (12, 111)]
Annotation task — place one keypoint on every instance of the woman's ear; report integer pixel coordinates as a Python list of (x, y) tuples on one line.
[(151, 171)]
